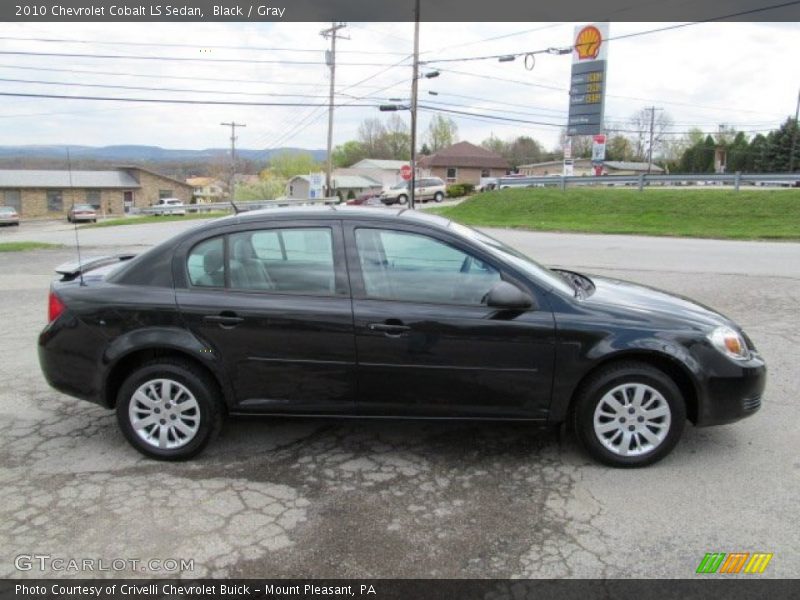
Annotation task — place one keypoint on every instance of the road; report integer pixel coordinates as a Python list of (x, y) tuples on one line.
[(302, 498)]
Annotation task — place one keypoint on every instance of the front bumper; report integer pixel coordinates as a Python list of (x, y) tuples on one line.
[(733, 392)]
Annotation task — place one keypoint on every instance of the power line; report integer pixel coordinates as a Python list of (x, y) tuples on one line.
[(618, 37), (158, 89), (174, 101), (184, 58), (178, 45), (160, 77)]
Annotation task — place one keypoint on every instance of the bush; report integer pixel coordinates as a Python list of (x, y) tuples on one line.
[(455, 191), (351, 195), (469, 188)]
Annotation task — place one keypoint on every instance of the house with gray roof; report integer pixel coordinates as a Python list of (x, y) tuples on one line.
[(51, 193)]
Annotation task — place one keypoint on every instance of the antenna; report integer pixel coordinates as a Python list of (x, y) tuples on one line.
[(236, 209), (74, 222)]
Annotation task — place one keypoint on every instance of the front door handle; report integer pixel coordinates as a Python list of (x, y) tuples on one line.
[(389, 328), (226, 320)]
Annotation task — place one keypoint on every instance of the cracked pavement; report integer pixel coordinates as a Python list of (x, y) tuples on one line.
[(338, 498)]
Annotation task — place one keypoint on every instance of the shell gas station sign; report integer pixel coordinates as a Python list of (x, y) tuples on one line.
[(587, 91)]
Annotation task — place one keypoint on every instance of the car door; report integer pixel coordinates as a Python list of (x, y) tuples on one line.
[(427, 344), (273, 301)]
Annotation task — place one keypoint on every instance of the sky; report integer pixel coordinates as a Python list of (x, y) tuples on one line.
[(743, 75)]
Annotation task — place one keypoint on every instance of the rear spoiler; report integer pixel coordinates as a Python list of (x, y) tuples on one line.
[(71, 270)]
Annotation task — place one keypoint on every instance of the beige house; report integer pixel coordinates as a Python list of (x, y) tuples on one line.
[(51, 193), (207, 189), (463, 163), (386, 172)]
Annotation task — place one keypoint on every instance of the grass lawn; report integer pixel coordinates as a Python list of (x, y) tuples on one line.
[(154, 219), (22, 246), (707, 213)]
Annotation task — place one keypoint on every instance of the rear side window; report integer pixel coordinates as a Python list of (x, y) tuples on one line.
[(293, 260), (206, 263)]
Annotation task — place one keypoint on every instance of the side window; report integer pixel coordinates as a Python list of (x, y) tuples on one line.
[(206, 263), (416, 268), (298, 260)]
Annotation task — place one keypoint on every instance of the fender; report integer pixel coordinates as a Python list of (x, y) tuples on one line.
[(166, 338), (575, 362)]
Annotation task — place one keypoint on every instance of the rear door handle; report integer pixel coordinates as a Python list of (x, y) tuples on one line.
[(226, 320), (391, 329)]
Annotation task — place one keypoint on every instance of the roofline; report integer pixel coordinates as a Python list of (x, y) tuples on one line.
[(151, 172)]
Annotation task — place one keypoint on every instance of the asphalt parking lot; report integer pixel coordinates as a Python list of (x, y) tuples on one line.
[(306, 498)]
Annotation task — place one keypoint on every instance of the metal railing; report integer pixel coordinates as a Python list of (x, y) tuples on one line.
[(642, 180), (243, 206)]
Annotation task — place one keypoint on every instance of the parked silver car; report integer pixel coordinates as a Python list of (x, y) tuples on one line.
[(8, 215)]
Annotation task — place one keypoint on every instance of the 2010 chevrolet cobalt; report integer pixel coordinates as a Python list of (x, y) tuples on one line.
[(378, 312)]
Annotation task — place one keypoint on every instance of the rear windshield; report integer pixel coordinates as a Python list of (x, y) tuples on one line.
[(83, 207)]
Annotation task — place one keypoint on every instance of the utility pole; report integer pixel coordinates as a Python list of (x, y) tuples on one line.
[(414, 85), (233, 125), (652, 110), (794, 133), (330, 59)]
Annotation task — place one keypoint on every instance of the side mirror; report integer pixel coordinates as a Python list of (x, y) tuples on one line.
[(507, 296)]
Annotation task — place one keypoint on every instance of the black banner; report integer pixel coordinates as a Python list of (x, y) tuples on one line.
[(704, 587), (395, 10)]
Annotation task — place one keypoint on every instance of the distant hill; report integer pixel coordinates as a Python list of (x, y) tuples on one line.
[(149, 154)]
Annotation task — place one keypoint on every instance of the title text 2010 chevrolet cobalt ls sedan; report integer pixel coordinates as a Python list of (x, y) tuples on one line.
[(378, 312)]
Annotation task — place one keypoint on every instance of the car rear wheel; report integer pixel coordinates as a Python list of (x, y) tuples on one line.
[(438, 197), (169, 409), (629, 415), (402, 199)]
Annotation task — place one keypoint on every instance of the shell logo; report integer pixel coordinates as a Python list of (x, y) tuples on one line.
[(588, 42)]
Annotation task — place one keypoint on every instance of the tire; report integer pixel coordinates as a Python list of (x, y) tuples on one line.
[(629, 403), (402, 199), (438, 197), (141, 397)]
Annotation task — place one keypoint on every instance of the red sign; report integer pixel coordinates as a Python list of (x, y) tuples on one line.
[(600, 138), (405, 172)]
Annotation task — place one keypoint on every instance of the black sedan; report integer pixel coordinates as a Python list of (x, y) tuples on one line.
[(385, 313)]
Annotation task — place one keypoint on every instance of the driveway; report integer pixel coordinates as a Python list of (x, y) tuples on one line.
[(300, 498)]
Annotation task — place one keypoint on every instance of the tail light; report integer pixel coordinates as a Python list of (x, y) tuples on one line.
[(55, 307)]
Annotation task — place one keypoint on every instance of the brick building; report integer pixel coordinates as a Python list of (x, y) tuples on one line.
[(51, 193), (463, 163)]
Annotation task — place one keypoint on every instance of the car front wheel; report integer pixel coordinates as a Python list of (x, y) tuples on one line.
[(629, 415), (402, 199), (169, 409)]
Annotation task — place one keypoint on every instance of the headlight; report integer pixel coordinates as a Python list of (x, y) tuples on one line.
[(730, 343)]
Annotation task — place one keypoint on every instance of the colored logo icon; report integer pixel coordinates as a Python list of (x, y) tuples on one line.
[(734, 562), (588, 42)]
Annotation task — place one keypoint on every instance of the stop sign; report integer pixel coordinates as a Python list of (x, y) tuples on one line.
[(405, 172)]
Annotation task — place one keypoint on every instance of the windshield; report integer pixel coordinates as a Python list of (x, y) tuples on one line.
[(83, 207), (398, 186), (516, 258), (7, 209)]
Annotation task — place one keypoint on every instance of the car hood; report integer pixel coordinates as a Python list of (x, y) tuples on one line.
[(639, 300)]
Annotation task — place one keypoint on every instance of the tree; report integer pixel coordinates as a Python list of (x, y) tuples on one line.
[(289, 164), (640, 136), (495, 144), (371, 134), (397, 138), (265, 189), (581, 144), (442, 132), (425, 150), (619, 147), (348, 154)]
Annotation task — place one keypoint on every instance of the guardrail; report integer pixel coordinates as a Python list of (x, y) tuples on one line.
[(642, 180), (242, 206)]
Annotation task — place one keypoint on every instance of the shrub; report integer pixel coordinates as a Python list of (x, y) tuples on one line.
[(351, 195), (469, 188), (455, 191)]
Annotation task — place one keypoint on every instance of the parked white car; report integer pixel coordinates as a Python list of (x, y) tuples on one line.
[(169, 206)]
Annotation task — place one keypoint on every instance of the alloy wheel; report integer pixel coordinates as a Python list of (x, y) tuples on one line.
[(164, 414), (632, 419)]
